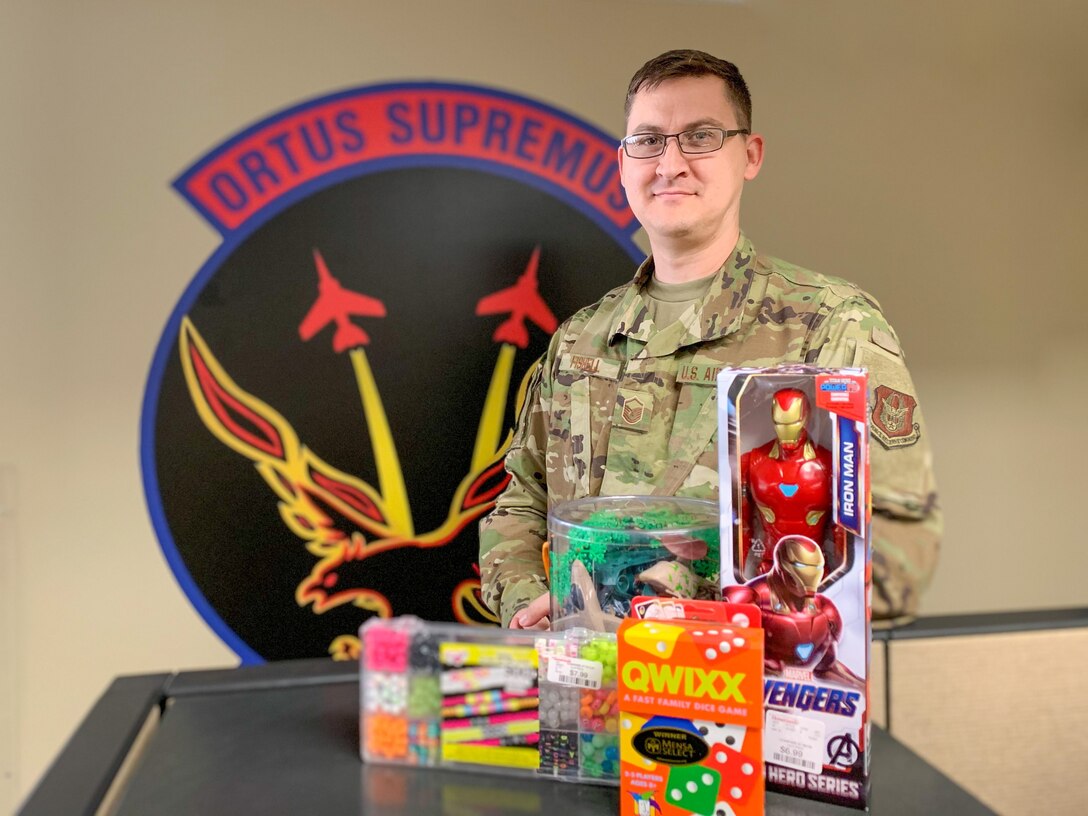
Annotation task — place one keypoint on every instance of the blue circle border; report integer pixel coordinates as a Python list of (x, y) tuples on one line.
[(232, 239)]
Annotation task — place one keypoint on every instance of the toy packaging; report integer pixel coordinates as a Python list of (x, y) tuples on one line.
[(606, 550), (579, 709), (520, 702), (442, 694), (524, 702), (795, 542), (691, 713)]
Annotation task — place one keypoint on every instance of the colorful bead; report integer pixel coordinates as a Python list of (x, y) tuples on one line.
[(385, 648), (424, 743), (386, 736), (385, 692), (599, 756), (423, 653), (558, 752), (559, 704), (424, 696)]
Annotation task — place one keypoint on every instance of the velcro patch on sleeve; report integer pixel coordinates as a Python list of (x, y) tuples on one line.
[(885, 340)]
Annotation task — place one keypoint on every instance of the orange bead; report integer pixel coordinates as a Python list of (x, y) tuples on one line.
[(387, 736)]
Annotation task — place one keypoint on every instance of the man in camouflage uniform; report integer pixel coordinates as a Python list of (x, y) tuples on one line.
[(704, 299)]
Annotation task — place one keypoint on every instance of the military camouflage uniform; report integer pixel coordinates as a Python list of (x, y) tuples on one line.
[(574, 438)]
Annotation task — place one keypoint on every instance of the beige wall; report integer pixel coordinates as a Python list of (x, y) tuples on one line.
[(933, 156)]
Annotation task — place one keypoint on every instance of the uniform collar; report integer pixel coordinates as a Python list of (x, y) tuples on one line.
[(716, 315)]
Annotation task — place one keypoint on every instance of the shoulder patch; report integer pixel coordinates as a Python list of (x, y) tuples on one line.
[(893, 418), (885, 340)]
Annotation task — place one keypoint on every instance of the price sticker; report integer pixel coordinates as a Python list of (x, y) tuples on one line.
[(574, 671), (796, 742)]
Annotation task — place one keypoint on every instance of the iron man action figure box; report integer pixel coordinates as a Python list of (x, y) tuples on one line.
[(794, 464)]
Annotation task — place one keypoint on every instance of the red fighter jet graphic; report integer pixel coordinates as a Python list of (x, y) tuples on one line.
[(521, 301), (343, 520), (336, 304)]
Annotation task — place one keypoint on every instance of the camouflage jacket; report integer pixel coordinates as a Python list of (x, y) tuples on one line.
[(573, 438)]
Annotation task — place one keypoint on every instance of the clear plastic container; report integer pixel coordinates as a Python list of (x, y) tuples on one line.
[(606, 550), (515, 702), (579, 707), (445, 695)]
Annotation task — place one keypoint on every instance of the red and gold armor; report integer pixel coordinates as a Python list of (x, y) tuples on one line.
[(786, 486), (801, 627)]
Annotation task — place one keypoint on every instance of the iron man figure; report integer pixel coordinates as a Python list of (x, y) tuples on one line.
[(801, 627), (786, 487)]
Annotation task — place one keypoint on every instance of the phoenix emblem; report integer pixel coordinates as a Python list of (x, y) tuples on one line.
[(338, 518)]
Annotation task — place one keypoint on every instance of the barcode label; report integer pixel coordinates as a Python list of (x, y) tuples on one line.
[(796, 742), (784, 759), (574, 671)]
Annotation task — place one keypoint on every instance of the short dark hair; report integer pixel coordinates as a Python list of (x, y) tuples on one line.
[(689, 63)]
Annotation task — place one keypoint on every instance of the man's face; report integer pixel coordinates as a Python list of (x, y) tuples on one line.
[(678, 196)]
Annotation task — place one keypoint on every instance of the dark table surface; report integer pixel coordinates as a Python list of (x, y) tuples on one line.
[(283, 739)]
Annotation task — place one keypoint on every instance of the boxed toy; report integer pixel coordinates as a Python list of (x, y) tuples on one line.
[(606, 550), (579, 710), (690, 697), (794, 463), (520, 702), (442, 694)]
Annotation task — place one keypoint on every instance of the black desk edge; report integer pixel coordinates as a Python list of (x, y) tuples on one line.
[(312, 672), (80, 776)]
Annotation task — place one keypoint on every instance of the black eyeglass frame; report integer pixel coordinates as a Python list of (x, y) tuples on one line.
[(625, 143)]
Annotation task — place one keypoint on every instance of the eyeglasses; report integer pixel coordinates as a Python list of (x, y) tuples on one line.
[(700, 140)]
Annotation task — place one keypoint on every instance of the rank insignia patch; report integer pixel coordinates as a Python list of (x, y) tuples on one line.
[(633, 410)]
